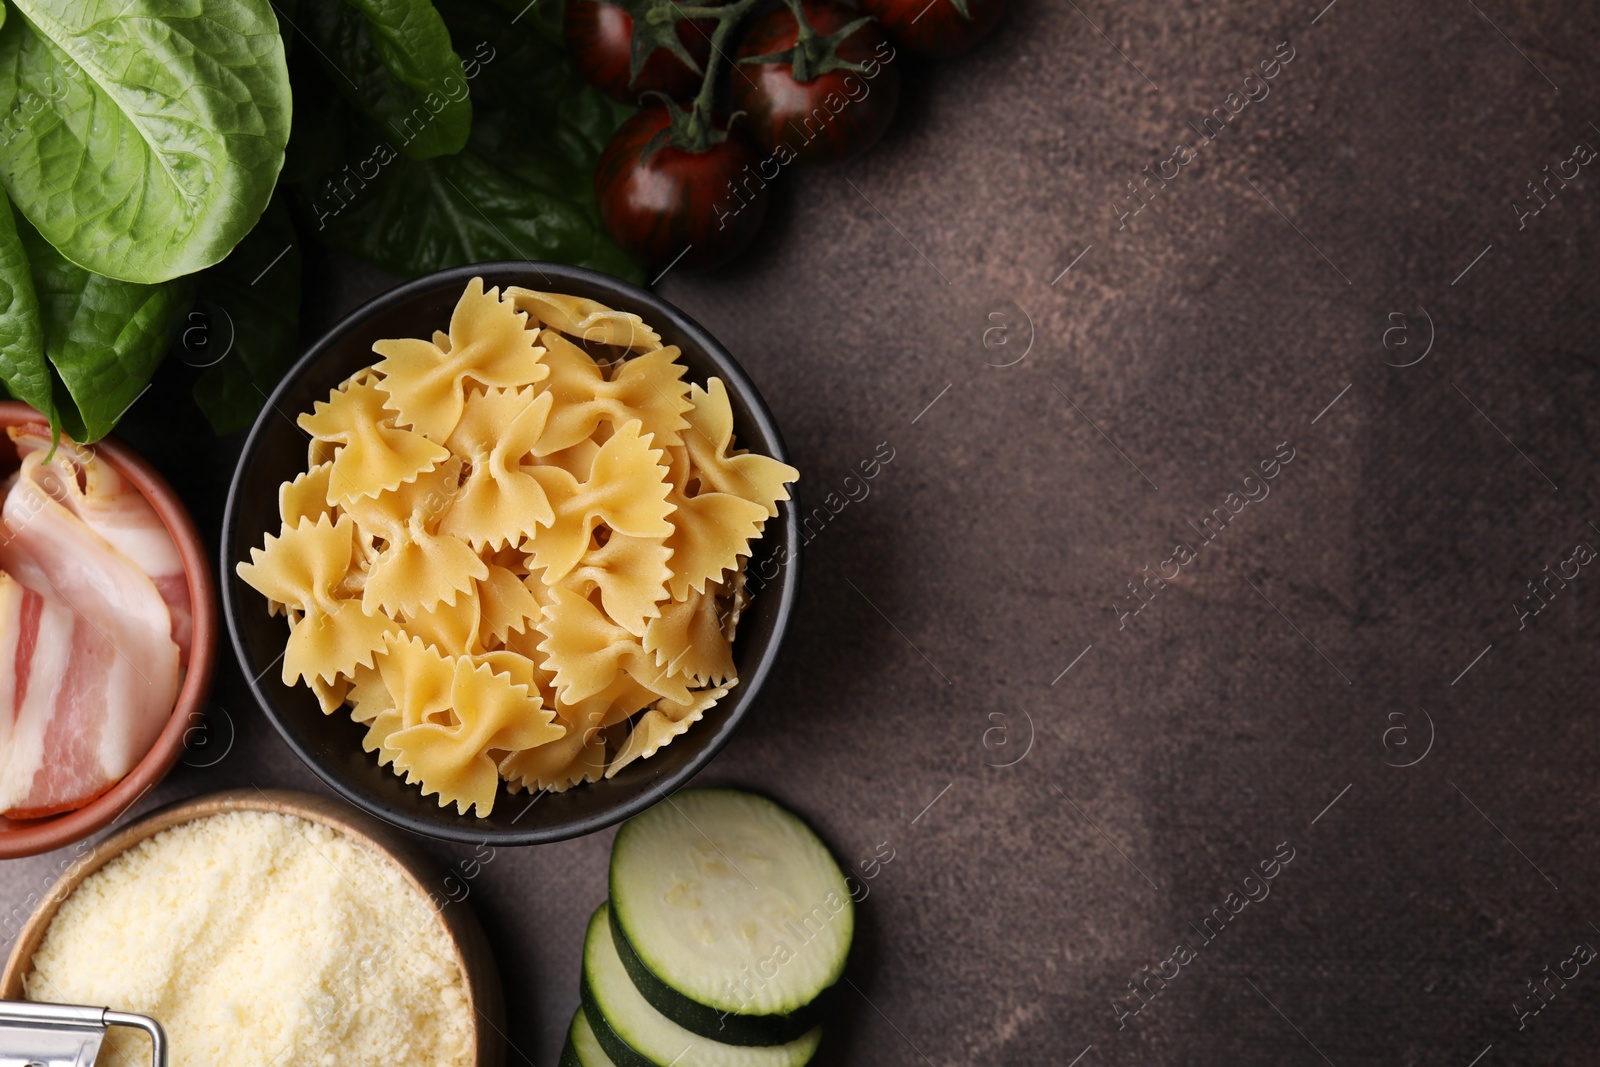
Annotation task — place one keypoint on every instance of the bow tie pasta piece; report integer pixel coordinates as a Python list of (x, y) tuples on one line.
[(419, 572), (369, 703), (367, 694), (746, 475), (422, 501), (489, 344), (330, 695), (587, 651), (631, 575), (687, 640), (499, 504), (710, 530), (419, 679), (617, 702), (588, 320), (649, 388), (658, 726), (577, 757), (626, 489), (507, 605), (302, 568), (419, 567), (580, 756), (382, 726), (522, 671), (376, 456), (453, 761), (411, 684), (306, 497), (453, 629)]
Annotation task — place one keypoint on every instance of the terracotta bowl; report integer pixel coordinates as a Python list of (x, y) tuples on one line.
[(331, 744), (467, 938), (29, 837)]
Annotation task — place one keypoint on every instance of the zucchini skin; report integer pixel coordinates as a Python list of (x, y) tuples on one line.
[(716, 1023), (730, 1028), (622, 1054), (570, 1057)]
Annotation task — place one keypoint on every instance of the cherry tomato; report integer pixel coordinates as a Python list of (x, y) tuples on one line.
[(832, 116), (935, 28), (703, 206), (599, 37)]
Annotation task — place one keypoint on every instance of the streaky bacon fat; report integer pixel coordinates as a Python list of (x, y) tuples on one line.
[(89, 670), (97, 493)]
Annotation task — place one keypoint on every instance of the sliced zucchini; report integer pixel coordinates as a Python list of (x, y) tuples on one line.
[(583, 1048), (730, 913), (725, 1026), (634, 1034)]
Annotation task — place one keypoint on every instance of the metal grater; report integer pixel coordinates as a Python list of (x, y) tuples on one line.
[(66, 1035)]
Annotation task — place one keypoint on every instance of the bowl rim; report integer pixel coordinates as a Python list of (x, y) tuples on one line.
[(468, 942), (34, 836), (592, 285)]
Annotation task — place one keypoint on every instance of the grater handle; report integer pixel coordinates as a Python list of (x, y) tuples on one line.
[(66, 1033), (158, 1036)]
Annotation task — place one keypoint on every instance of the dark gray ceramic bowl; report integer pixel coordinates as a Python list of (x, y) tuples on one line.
[(331, 744)]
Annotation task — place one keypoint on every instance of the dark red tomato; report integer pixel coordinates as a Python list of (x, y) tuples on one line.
[(599, 38), (935, 28), (831, 117), (689, 209)]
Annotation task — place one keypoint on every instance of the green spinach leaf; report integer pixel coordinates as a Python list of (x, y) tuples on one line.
[(142, 138), (537, 116), (22, 364), (522, 189), (393, 60), (104, 337), (248, 309), (421, 217)]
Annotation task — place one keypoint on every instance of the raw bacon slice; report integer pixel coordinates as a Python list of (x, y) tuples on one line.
[(88, 668), (97, 493)]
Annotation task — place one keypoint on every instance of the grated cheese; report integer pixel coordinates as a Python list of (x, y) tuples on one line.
[(257, 938)]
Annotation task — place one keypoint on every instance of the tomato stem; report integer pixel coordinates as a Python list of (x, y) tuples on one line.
[(813, 54), (696, 130)]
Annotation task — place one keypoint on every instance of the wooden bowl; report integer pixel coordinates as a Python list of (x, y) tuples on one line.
[(467, 938), (29, 837)]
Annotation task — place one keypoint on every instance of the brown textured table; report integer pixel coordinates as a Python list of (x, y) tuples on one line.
[(1057, 431)]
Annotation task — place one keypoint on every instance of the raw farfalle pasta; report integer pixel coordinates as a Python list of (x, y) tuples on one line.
[(626, 491), (372, 455), (586, 320), (649, 388), (517, 552), (303, 569), (659, 725), (710, 531), (488, 713), (489, 344), (684, 640), (498, 503)]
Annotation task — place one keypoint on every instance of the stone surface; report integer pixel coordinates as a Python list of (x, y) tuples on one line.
[(1360, 616)]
